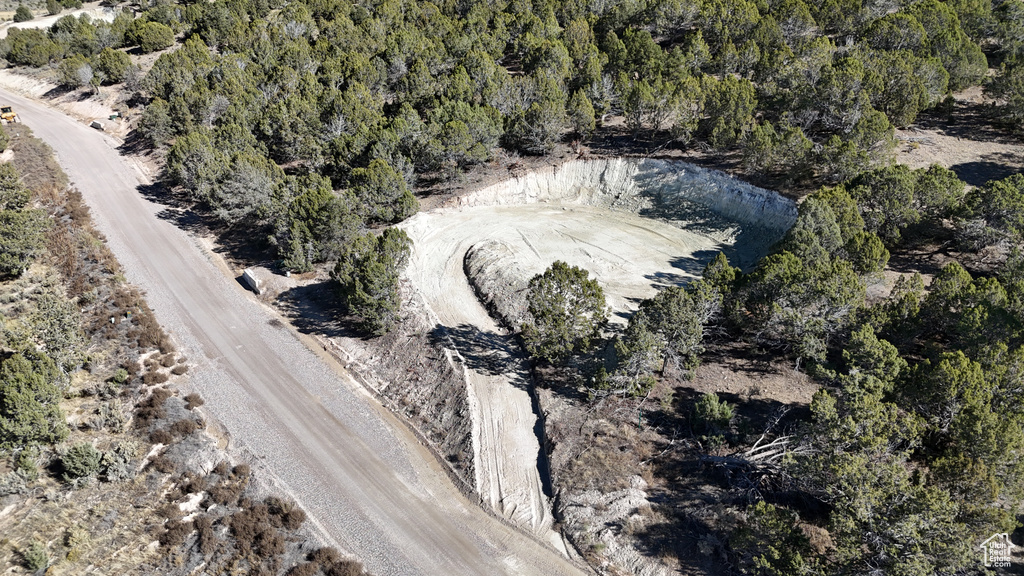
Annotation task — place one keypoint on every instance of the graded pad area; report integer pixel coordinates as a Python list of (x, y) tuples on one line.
[(634, 225)]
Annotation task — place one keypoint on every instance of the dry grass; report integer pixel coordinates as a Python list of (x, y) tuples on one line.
[(183, 428), (113, 518), (193, 400)]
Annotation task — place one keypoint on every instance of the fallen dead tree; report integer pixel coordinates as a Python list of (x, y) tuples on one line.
[(759, 468)]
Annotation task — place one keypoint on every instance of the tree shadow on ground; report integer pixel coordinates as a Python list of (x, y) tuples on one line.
[(488, 353), (176, 210), (243, 242), (58, 91), (979, 172), (691, 267), (134, 143), (696, 493), (973, 121), (925, 261), (316, 309)]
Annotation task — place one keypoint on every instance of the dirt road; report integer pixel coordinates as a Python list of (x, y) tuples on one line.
[(363, 478)]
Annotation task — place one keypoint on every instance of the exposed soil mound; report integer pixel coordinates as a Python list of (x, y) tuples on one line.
[(499, 281)]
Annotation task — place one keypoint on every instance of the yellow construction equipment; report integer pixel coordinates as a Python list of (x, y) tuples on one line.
[(7, 114)]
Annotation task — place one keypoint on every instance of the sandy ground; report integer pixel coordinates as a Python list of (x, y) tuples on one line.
[(368, 485), (94, 10), (618, 247), (964, 141), (583, 214), (974, 160)]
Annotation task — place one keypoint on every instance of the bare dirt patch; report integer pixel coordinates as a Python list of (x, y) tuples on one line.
[(963, 139), (43, 20), (636, 225)]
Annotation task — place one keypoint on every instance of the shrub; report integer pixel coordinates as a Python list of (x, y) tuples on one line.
[(248, 525), (23, 14), (567, 310), (52, 7), (25, 463), (293, 518), (269, 543), (154, 378), (77, 538), (183, 428), (710, 412), (163, 464), (152, 409), (81, 460), (120, 377), (170, 511), (36, 558), (167, 360), (368, 275), (175, 533), (206, 538), (150, 36), (326, 556), (156, 124), (31, 48), (191, 483), (75, 71), (194, 400), (132, 367), (114, 64), (22, 239), (225, 494), (12, 483), (161, 437), (178, 371), (304, 569), (345, 568)]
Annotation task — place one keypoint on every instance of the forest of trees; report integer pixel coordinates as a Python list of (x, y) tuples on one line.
[(312, 122)]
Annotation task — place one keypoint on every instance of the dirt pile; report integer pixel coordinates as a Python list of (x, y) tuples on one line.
[(499, 281)]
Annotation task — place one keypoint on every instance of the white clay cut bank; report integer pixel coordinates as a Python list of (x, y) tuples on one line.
[(635, 225)]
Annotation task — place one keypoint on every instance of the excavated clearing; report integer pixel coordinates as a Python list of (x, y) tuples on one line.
[(634, 224)]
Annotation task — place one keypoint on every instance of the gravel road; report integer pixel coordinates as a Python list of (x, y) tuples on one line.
[(365, 481)]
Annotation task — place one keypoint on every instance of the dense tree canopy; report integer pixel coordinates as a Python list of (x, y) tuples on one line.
[(310, 123), (30, 394), (567, 310)]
